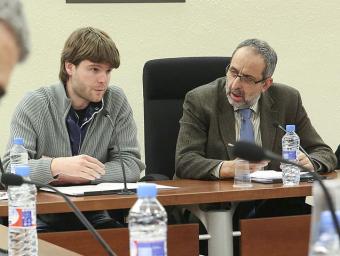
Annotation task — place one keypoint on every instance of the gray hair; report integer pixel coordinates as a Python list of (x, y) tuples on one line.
[(12, 14), (261, 47)]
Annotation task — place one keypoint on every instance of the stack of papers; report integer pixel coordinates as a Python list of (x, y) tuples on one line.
[(99, 189), (270, 176)]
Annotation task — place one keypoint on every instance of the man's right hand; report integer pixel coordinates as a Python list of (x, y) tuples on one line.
[(82, 166)]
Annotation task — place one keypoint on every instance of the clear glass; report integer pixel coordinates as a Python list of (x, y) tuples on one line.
[(242, 177)]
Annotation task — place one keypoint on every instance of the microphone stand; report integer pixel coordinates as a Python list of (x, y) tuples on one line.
[(125, 190)]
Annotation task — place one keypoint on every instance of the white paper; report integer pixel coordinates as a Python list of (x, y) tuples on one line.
[(102, 187), (3, 196), (268, 174)]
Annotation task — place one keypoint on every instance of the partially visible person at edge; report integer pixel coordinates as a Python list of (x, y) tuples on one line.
[(68, 137), (212, 119), (14, 43)]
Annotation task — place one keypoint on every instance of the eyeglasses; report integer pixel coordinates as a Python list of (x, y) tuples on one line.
[(245, 79)]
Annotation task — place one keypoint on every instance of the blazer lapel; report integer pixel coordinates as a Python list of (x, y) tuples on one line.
[(226, 121), (268, 115)]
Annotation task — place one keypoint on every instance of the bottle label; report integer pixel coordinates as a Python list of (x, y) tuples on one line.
[(22, 218), (148, 248), (289, 154), (13, 168)]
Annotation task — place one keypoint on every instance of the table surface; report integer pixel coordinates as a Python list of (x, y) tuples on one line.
[(188, 192)]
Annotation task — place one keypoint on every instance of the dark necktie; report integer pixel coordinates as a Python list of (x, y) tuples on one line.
[(247, 130)]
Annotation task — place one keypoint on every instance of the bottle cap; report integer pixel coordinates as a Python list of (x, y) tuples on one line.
[(146, 190), (290, 127), (22, 170), (18, 141)]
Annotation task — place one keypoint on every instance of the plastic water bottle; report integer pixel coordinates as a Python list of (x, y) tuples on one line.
[(290, 151), (147, 224), (328, 240), (18, 154), (22, 228)]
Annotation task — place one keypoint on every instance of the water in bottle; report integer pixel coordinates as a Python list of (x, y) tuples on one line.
[(290, 151), (22, 230), (18, 154), (147, 224), (327, 243)]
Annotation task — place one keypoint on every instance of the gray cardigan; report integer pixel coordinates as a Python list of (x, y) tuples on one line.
[(40, 118)]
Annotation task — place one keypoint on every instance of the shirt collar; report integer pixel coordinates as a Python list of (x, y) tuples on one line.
[(254, 108), (91, 110)]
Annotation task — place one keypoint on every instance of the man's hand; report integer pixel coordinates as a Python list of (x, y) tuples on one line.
[(304, 161), (228, 168), (64, 179), (82, 166)]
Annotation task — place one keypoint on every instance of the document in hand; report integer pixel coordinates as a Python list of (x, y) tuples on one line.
[(99, 189), (270, 176)]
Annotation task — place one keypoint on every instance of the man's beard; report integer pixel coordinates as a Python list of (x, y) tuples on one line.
[(241, 105)]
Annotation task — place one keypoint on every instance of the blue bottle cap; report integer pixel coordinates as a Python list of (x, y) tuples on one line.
[(146, 190), (18, 141), (290, 127), (22, 170)]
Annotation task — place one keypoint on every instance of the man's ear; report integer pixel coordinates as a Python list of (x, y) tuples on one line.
[(267, 83), (69, 67)]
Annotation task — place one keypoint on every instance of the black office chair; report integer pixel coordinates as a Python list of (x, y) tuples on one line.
[(337, 153), (165, 84)]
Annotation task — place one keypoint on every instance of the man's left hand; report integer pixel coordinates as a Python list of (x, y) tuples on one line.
[(304, 161)]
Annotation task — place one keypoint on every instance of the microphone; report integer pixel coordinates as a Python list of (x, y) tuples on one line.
[(16, 180), (254, 153), (279, 126), (125, 190)]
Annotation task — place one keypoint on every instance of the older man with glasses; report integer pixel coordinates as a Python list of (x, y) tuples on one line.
[(243, 105), (213, 115)]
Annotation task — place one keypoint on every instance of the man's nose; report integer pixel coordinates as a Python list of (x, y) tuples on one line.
[(236, 83), (103, 77)]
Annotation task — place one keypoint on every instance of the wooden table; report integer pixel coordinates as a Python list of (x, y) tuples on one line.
[(189, 192)]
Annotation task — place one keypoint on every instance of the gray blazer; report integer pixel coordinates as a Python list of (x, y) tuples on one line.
[(208, 125)]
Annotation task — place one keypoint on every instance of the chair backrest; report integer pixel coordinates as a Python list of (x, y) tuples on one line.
[(337, 153), (165, 84)]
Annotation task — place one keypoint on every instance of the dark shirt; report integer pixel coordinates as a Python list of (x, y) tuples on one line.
[(77, 122)]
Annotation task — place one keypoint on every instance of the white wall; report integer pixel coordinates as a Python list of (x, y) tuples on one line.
[(305, 35)]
